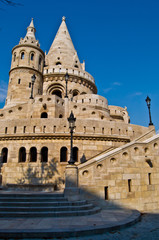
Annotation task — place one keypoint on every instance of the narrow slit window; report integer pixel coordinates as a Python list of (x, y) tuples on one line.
[(24, 129), (22, 55), (34, 129), (19, 80), (129, 185), (15, 129), (6, 130), (149, 177), (106, 193), (30, 85)]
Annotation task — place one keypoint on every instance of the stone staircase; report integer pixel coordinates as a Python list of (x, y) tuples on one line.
[(42, 205)]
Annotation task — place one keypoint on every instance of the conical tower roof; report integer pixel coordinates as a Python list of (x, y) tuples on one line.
[(30, 36), (62, 52)]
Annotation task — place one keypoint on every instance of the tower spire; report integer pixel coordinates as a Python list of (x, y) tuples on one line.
[(62, 51), (31, 30)]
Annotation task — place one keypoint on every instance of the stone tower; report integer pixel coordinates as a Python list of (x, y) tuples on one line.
[(62, 58), (27, 59)]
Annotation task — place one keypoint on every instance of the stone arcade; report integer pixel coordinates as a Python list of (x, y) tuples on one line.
[(121, 159)]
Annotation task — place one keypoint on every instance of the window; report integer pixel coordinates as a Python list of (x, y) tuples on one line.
[(22, 154), (106, 192), (15, 129), (19, 80), (4, 155), (57, 93), (44, 115), (129, 185), (33, 154), (58, 63), (32, 57), (63, 154), (149, 178), (14, 58), (75, 154), (6, 130), (29, 84), (22, 55), (60, 116), (24, 129), (44, 154), (40, 60)]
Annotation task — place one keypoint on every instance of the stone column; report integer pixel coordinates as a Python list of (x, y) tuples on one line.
[(71, 191)]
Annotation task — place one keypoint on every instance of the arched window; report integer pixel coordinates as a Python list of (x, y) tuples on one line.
[(33, 154), (63, 154), (22, 154), (40, 60), (60, 116), (57, 93), (4, 155), (44, 154), (22, 55), (75, 93), (83, 93), (32, 57), (58, 63), (14, 58), (75, 154), (44, 115)]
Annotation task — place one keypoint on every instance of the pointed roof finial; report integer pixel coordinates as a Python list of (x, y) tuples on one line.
[(64, 18), (31, 23)]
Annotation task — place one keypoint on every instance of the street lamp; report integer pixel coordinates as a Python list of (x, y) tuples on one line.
[(148, 101), (71, 121), (66, 79), (33, 78)]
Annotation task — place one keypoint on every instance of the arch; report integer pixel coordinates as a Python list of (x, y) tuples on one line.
[(22, 55), (22, 154), (44, 115), (4, 155), (75, 154), (33, 154), (32, 56), (83, 93), (44, 154), (58, 63), (76, 66), (60, 116), (75, 92), (40, 60), (57, 93), (14, 57), (63, 154), (56, 89)]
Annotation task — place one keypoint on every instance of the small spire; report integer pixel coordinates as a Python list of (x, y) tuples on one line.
[(31, 23), (64, 18), (31, 30)]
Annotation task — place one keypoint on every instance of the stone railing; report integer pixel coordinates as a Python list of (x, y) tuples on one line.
[(75, 72)]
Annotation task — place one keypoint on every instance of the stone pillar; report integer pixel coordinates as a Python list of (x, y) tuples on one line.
[(71, 191)]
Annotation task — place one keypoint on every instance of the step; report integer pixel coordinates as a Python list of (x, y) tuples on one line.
[(42, 204), (31, 195), (43, 199), (49, 214), (46, 208)]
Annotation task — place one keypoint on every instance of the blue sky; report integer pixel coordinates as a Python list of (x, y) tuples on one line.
[(119, 40)]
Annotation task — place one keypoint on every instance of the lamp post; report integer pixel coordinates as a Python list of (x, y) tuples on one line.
[(66, 79), (71, 121), (148, 101), (33, 78)]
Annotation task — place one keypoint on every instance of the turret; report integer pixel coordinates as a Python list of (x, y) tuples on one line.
[(27, 59), (62, 58)]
